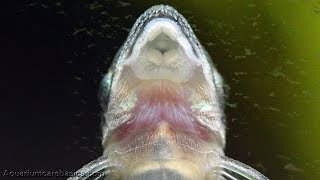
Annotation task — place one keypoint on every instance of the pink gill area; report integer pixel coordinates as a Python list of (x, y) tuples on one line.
[(158, 102)]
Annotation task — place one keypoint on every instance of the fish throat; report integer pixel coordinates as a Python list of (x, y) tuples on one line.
[(162, 102)]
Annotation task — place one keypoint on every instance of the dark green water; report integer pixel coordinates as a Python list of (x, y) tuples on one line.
[(267, 51)]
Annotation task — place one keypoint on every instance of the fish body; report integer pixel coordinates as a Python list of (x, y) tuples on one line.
[(163, 108)]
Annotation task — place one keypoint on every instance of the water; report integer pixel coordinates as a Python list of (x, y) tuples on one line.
[(266, 51)]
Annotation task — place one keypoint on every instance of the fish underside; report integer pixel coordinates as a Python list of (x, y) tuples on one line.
[(163, 107)]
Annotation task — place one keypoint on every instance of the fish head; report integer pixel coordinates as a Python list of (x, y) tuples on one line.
[(163, 100)]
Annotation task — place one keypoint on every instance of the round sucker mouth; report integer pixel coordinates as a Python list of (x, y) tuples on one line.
[(160, 11)]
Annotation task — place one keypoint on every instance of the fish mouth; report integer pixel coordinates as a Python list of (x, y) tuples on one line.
[(162, 51), (161, 12)]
